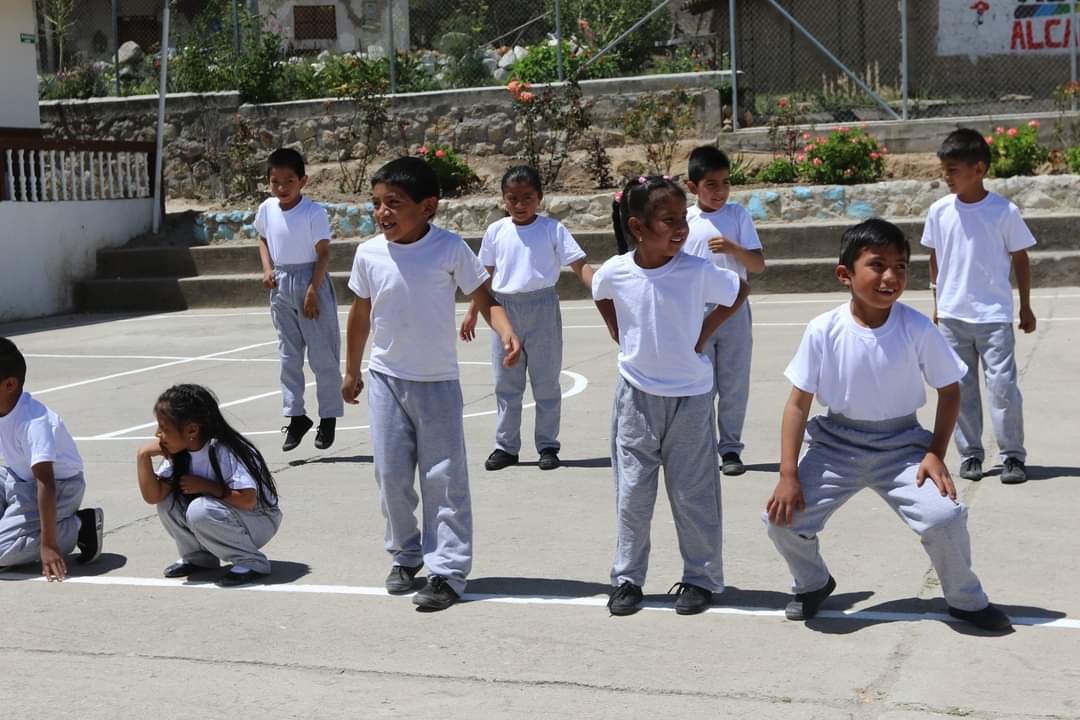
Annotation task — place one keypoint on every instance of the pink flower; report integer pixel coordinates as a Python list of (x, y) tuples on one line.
[(514, 86), (526, 96), (806, 136), (422, 151), (884, 149), (800, 157), (989, 139), (817, 162), (821, 139), (843, 129), (1012, 132), (810, 147), (875, 155), (618, 196), (999, 130), (440, 153), (1034, 124)]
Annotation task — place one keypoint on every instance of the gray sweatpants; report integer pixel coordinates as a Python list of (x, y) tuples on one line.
[(419, 425), (845, 456), (208, 531), (321, 337), (20, 522), (649, 431), (730, 348), (537, 322), (994, 344)]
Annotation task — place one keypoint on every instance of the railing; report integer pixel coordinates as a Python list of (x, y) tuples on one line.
[(36, 170)]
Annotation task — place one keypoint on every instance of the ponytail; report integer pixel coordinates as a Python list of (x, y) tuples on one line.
[(636, 200)]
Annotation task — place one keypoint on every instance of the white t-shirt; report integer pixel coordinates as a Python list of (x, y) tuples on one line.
[(292, 234), (32, 433), (413, 326), (233, 472), (972, 242), (733, 222), (873, 373), (657, 327), (527, 257)]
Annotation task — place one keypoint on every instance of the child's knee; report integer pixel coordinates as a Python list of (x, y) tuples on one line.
[(942, 516), (204, 511)]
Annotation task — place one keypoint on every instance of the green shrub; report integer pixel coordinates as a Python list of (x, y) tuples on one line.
[(1072, 159), (541, 65), (1016, 151), (81, 81), (455, 175), (780, 170), (598, 22), (847, 156)]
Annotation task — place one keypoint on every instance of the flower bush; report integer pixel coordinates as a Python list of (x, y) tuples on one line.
[(455, 175), (1016, 151), (541, 64), (561, 113), (660, 121), (847, 156), (780, 170)]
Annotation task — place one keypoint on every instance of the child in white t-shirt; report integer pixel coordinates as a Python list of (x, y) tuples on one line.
[(866, 362), (523, 254), (404, 281), (975, 237), (294, 247), (725, 234), (663, 413), (41, 480)]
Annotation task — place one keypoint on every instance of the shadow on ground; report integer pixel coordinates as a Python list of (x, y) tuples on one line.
[(909, 610), (106, 563)]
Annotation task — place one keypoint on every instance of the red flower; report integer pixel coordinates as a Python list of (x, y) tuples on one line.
[(422, 151), (875, 155), (783, 103), (806, 136), (1012, 132), (817, 162), (526, 97), (514, 86), (440, 153), (989, 139), (1034, 124)]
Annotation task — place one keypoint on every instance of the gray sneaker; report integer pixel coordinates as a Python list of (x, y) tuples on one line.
[(401, 579), (1014, 472), (971, 469)]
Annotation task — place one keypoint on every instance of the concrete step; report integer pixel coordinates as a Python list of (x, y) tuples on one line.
[(785, 275)]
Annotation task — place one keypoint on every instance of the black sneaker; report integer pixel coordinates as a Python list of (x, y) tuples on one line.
[(401, 579), (295, 431), (240, 576), (1014, 471), (625, 599), (971, 469), (91, 534), (691, 598), (324, 436), (805, 605), (549, 459), (499, 460), (989, 618), (181, 569), (731, 464), (436, 595)]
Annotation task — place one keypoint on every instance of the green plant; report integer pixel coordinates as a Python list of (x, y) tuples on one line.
[(466, 67), (684, 60), (553, 120), (598, 22), (61, 16), (660, 121), (847, 156), (363, 134), (1064, 97), (455, 175), (1016, 151), (598, 162), (81, 81), (1072, 160), (780, 170), (540, 65), (784, 130), (742, 170)]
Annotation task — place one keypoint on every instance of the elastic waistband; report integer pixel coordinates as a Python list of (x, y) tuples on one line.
[(296, 267), (525, 297), (889, 425)]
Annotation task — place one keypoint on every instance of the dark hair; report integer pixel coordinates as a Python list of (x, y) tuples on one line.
[(286, 158), (704, 160), (522, 174), (874, 232), (12, 362), (966, 145), (638, 199), (188, 403), (411, 174)]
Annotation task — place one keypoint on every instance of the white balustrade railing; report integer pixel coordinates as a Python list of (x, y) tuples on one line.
[(84, 171)]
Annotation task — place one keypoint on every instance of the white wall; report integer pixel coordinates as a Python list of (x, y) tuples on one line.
[(18, 65), (45, 247)]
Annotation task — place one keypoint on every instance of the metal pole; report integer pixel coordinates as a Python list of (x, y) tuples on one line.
[(392, 57), (904, 59), (1073, 37), (236, 27), (629, 30), (734, 72), (836, 61), (116, 44), (163, 80), (558, 42)]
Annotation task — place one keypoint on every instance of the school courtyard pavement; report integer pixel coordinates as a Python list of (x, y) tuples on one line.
[(322, 640)]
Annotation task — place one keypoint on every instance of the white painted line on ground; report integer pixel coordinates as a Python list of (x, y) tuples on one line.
[(148, 369), (59, 356), (594, 601)]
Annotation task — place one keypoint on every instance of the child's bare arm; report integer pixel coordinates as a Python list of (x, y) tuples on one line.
[(357, 329), (1022, 267), (53, 566), (152, 487), (717, 317), (933, 464), (933, 282), (245, 499), (584, 271), (269, 281), (498, 321), (611, 318), (787, 498), (468, 323), (753, 260), (318, 275)]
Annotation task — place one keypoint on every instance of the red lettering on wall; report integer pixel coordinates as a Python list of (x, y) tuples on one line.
[(1017, 40), (1029, 32), (1047, 37)]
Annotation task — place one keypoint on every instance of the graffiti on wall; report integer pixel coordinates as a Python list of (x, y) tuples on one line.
[(1005, 27)]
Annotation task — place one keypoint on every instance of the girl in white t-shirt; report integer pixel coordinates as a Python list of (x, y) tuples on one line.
[(663, 414), (213, 491), (524, 255)]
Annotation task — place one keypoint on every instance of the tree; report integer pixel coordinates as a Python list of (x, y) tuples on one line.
[(61, 16)]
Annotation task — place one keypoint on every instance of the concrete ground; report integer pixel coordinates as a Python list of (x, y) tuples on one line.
[(322, 640)]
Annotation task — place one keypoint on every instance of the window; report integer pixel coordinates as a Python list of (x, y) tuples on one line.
[(314, 22)]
